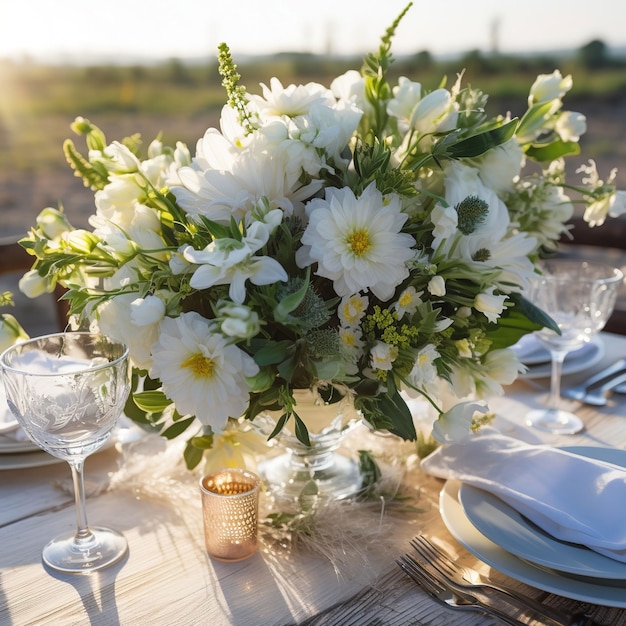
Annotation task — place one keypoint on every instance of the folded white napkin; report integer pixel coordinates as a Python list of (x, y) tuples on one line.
[(573, 498)]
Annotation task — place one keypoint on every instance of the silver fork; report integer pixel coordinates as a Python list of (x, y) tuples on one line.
[(445, 596), (465, 578)]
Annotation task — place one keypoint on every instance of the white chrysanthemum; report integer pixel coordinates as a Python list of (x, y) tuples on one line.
[(293, 100), (357, 242), (201, 372), (224, 181), (350, 87)]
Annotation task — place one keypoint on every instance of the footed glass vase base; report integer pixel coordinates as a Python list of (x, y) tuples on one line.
[(289, 481)]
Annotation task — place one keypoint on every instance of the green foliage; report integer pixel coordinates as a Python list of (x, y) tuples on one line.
[(237, 97)]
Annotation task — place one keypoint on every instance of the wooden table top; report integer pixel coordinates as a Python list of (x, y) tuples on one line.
[(167, 579)]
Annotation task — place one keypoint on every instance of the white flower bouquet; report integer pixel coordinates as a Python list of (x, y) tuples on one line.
[(362, 239)]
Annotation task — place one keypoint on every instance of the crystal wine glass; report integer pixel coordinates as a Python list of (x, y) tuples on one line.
[(67, 391), (579, 296)]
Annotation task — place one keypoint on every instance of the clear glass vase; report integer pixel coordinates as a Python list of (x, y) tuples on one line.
[(318, 470)]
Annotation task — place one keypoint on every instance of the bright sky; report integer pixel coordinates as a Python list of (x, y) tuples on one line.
[(75, 29)]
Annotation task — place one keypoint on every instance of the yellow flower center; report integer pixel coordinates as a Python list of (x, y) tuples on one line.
[(349, 340), (422, 359), (200, 365), (405, 299), (359, 242)]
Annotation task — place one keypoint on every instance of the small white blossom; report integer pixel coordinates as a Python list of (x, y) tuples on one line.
[(383, 355), (352, 309), (437, 286), (148, 310), (11, 332), (549, 87), (456, 424), (33, 285), (570, 125), (490, 304), (407, 302)]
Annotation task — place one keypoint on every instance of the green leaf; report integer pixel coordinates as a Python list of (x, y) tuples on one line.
[(369, 470), (302, 432), (91, 176), (178, 428), (151, 401), (288, 368), (534, 119), (328, 369), (552, 151), (279, 425), (475, 145), (292, 301), (518, 321), (403, 425), (271, 352), (192, 455), (133, 412), (205, 442)]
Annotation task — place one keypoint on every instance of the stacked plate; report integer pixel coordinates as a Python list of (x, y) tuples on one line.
[(18, 452), (498, 535), (536, 357)]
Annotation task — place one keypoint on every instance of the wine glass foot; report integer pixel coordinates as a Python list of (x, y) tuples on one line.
[(555, 421), (102, 548)]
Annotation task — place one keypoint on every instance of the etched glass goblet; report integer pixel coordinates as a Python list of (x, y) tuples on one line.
[(67, 391), (579, 296)]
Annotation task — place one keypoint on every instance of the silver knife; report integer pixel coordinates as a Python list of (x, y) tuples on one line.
[(578, 392), (597, 395)]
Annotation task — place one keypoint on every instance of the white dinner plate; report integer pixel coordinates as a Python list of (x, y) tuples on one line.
[(125, 431), (530, 351), (510, 530), (11, 446), (576, 361), (587, 590), (7, 420)]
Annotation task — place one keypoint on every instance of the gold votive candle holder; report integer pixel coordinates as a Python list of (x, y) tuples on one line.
[(230, 505)]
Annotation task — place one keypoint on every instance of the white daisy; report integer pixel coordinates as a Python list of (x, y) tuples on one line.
[(201, 372), (357, 242)]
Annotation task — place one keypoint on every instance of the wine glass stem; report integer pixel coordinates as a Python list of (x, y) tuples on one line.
[(82, 528), (558, 356)]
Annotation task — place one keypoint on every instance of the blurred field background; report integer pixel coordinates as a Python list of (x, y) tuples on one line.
[(181, 100)]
